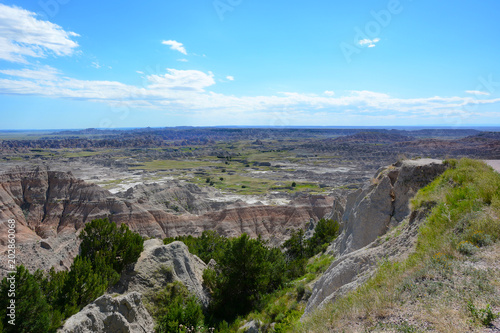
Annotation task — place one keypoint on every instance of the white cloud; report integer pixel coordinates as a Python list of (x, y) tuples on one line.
[(175, 45), (139, 72), (22, 35), (181, 80), (477, 92), (182, 60), (230, 78), (96, 64), (369, 42), (46, 73), (186, 91), (329, 93)]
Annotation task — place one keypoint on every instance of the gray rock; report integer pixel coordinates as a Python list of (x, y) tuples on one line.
[(122, 314), (252, 326), (370, 212), (353, 269), (160, 264)]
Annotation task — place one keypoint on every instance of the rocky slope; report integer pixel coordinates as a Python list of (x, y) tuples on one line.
[(368, 214), (51, 207)]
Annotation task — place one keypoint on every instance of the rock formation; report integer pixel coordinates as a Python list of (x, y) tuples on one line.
[(371, 211), (368, 214), (51, 207), (351, 270), (160, 264), (124, 314)]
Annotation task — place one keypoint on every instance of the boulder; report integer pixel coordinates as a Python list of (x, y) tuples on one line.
[(121, 314)]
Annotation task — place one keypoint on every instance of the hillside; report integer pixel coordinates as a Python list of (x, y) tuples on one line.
[(446, 277)]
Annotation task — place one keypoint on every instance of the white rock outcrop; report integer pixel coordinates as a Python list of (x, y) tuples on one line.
[(371, 211), (369, 214), (121, 314), (160, 264)]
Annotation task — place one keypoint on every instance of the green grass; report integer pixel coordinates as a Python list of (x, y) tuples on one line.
[(175, 165), (433, 279), (319, 264), (82, 154)]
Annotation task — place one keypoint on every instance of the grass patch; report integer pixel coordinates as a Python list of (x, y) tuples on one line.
[(174, 164)]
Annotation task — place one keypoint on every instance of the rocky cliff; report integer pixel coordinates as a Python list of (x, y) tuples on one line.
[(51, 207), (371, 211), (368, 214)]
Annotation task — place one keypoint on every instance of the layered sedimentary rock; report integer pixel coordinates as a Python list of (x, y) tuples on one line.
[(52, 207), (124, 313), (369, 213)]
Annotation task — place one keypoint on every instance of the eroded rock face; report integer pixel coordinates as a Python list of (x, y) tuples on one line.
[(368, 214), (121, 314), (160, 264), (371, 211), (353, 269), (52, 207)]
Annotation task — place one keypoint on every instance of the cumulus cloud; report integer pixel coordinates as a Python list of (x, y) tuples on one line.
[(369, 42), (181, 80), (477, 92), (230, 78), (329, 93), (22, 35), (175, 45)]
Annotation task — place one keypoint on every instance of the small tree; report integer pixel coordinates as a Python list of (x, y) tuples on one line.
[(245, 272), (113, 246), (32, 312), (324, 233), (294, 184)]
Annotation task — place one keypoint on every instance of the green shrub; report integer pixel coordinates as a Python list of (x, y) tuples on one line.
[(324, 233), (116, 247), (245, 272), (301, 289), (484, 316), (467, 248), (175, 309), (210, 245), (480, 239)]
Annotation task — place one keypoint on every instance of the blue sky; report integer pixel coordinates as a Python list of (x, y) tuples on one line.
[(81, 64)]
